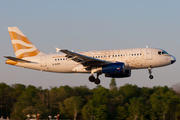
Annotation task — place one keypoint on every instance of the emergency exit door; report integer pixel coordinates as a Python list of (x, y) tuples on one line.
[(148, 53)]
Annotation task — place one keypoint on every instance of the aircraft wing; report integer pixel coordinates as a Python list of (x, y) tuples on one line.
[(83, 59)]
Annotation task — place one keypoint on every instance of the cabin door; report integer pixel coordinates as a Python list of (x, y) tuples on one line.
[(148, 53)]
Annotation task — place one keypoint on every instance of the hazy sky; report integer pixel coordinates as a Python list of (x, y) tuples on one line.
[(91, 25)]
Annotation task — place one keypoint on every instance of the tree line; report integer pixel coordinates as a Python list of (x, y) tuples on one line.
[(128, 102)]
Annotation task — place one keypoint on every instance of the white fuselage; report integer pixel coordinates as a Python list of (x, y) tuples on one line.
[(139, 58), (112, 63)]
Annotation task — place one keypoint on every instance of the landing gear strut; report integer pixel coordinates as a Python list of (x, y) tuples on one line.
[(97, 80), (150, 72)]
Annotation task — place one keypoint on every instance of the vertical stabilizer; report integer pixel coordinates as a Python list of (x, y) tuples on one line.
[(21, 44)]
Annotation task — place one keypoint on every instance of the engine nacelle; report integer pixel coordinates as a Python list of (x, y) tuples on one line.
[(127, 73), (113, 68)]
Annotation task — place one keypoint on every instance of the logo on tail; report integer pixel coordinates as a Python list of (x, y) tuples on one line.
[(21, 44)]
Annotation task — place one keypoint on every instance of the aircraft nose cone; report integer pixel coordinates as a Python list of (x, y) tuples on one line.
[(173, 59)]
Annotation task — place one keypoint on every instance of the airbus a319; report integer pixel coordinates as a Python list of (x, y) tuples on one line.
[(112, 63)]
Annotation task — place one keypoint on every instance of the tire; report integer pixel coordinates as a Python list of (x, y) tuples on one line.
[(91, 78), (97, 81), (151, 77)]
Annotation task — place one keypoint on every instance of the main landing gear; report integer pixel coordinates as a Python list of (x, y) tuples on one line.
[(150, 72), (95, 80)]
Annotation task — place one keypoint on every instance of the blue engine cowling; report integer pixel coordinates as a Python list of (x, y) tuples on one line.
[(114, 68), (127, 73)]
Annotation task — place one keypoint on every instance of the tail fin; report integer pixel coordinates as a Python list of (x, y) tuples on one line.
[(21, 44)]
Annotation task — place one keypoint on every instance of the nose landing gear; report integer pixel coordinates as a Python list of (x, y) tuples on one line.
[(150, 72)]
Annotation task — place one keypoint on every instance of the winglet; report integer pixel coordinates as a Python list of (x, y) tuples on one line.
[(57, 49)]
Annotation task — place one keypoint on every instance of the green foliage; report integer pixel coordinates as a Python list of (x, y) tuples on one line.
[(129, 102), (137, 107), (129, 91), (88, 110), (73, 105), (112, 84), (121, 113), (100, 95), (27, 102), (5, 99), (101, 112)]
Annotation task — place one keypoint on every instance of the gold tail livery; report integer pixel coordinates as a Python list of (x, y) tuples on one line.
[(112, 63)]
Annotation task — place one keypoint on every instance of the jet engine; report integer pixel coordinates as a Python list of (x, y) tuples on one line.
[(127, 73), (114, 68)]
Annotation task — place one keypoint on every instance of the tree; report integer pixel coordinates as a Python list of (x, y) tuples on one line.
[(129, 91), (88, 110), (27, 99), (112, 85), (129, 102), (100, 95), (6, 100), (17, 90), (121, 113), (161, 101), (101, 112), (73, 105), (113, 103), (137, 107)]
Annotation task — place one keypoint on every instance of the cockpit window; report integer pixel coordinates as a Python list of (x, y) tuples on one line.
[(162, 52), (159, 52)]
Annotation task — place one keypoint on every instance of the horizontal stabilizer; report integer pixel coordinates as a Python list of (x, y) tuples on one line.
[(19, 60)]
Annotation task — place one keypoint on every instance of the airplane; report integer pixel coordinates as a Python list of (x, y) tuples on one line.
[(112, 63)]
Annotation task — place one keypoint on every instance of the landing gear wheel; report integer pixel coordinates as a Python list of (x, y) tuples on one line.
[(91, 78), (151, 76), (150, 72), (97, 81)]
